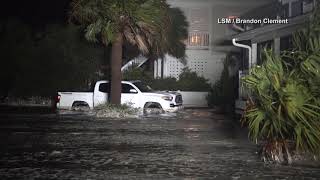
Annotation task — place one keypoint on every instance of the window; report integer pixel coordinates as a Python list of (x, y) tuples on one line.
[(198, 18), (125, 88), (198, 39), (285, 11), (296, 8), (286, 43), (104, 87), (143, 87), (307, 6)]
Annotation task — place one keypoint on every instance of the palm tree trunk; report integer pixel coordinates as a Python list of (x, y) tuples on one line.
[(116, 76)]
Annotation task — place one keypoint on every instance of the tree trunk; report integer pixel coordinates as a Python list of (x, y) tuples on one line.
[(150, 65), (116, 63)]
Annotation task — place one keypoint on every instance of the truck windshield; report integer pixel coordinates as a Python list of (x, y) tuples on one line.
[(143, 87)]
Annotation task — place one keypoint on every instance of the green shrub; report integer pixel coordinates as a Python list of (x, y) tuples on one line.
[(285, 91), (136, 73), (284, 108), (223, 92), (169, 83), (215, 97), (188, 81)]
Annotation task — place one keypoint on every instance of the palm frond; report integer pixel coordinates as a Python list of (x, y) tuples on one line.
[(93, 30)]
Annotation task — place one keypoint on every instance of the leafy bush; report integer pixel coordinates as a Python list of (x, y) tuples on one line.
[(168, 83), (215, 97), (284, 108), (136, 73), (223, 92), (188, 80)]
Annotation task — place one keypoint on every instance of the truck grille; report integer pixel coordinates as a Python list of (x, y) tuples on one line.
[(178, 99)]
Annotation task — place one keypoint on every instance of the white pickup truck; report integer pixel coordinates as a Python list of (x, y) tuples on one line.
[(134, 93)]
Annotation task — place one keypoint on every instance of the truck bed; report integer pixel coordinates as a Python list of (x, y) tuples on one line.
[(69, 98)]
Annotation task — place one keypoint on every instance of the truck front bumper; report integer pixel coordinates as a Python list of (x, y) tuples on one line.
[(174, 108)]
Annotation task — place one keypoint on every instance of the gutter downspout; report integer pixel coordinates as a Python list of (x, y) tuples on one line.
[(246, 47), (240, 90)]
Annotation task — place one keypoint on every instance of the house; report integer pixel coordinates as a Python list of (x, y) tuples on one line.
[(272, 26), (204, 55)]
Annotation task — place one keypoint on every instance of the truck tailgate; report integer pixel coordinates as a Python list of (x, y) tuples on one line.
[(67, 99)]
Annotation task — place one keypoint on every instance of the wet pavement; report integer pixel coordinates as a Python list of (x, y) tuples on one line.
[(194, 144)]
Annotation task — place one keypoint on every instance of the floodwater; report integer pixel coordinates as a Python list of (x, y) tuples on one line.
[(194, 144)]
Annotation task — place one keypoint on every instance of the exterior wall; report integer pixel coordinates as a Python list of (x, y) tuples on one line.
[(202, 62), (305, 6), (205, 56), (194, 99)]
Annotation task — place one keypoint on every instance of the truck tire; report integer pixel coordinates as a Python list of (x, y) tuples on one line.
[(80, 106), (152, 108)]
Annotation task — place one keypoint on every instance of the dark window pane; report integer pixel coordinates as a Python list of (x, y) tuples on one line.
[(296, 8), (308, 6), (286, 43), (104, 87), (126, 88), (285, 11), (143, 87)]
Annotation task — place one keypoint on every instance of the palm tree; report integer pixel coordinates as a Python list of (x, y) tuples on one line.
[(173, 44), (178, 32), (142, 23)]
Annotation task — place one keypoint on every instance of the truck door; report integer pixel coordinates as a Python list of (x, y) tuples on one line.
[(101, 94), (128, 94)]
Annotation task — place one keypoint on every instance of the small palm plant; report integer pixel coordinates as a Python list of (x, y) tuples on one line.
[(284, 106), (282, 110)]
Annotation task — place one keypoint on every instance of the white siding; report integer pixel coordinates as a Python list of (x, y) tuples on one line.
[(204, 56)]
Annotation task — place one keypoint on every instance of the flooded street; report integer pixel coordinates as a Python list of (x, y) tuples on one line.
[(195, 144)]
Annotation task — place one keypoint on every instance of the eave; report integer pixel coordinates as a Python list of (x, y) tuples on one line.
[(270, 31)]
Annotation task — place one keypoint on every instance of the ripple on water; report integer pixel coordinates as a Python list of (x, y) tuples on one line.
[(186, 145)]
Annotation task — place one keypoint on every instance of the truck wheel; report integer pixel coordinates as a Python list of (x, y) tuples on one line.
[(152, 108), (80, 106)]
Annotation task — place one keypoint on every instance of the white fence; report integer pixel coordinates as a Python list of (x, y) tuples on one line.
[(194, 99)]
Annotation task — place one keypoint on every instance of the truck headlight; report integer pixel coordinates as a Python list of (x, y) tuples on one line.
[(167, 98)]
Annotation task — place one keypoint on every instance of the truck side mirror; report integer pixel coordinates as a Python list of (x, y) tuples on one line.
[(133, 91)]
